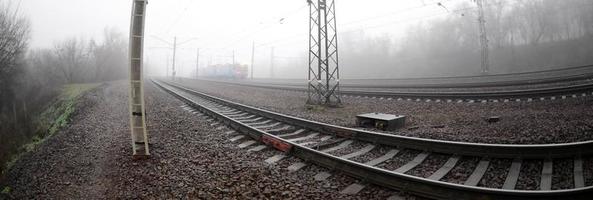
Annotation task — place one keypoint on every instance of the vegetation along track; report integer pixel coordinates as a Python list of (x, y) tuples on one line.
[(463, 170)]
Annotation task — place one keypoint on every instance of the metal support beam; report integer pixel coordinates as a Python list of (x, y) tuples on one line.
[(198, 64), (483, 38), (136, 97), (272, 62), (174, 51), (252, 57), (324, 76)]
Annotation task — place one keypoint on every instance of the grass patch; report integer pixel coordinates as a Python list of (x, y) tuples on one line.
[(6, 190), (55, 116)]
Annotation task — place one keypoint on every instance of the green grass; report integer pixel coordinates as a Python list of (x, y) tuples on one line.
[(54, 117), (6, 190)]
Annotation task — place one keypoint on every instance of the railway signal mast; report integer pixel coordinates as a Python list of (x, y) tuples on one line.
[(136, 97), (483, 37), (324, 76)]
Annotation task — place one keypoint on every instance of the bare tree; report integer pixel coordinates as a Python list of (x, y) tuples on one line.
[(14, 35), (72, 57)]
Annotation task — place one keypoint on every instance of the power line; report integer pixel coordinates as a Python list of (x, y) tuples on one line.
[(401, 11), (179, 17), (290, 14)]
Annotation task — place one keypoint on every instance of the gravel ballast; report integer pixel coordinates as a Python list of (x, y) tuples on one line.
[(541, 122), (91, 159)]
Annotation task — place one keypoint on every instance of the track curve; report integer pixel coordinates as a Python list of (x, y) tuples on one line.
[(252, 121)]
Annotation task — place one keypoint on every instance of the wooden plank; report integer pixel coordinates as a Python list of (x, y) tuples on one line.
[(445, 168), (546, 181), (579, 181), (513, 175), (416, 161), (479, 171)]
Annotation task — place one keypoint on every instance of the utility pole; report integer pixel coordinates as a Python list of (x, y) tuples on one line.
[(136, 96), (252, 57), (198, 64), (233, 58), (324, 73), (174, 51), (167, 66), (272, 63), (483, 38)]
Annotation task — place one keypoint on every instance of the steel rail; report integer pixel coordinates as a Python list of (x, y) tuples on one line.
[(528, 151), (519, 93), (550, 76), (390, 179)]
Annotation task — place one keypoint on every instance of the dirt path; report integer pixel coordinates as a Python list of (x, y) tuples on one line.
[(73, 163), (90, 159)]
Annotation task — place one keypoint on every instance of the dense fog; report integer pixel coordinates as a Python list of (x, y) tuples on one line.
[(377, 39)]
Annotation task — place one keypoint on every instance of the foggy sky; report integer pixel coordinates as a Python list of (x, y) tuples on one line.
[(220, 26)]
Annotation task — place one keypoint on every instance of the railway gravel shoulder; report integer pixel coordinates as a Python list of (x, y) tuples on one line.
[(91, 159), (559, 121)]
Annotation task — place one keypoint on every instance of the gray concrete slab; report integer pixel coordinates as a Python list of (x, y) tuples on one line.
[(478, 173)]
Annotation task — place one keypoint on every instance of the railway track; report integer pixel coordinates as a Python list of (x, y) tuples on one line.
[(549, 93), (428, 168), (551, 84)]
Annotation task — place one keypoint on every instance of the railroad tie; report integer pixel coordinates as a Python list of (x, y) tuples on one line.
[(326, 138), (578, 173), (292, 134), (546, 182), (312, 135), (258, 148), (238, 115), (285, 127), (296, 166), (244, 118), (441, 172), (274, 159), (249, 120), (353, 188), (321, 176), (513, 175), (237, 138), (397, 197), (259, 123), (415, 162), (247, 143), (383, 158), (340, 146), (479, 171), (267, 126), (360, 152)]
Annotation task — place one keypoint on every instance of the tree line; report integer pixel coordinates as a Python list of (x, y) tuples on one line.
[(524, 35), (30, 79)]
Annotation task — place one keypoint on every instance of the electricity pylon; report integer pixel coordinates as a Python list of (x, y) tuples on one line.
[(324, 73)]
